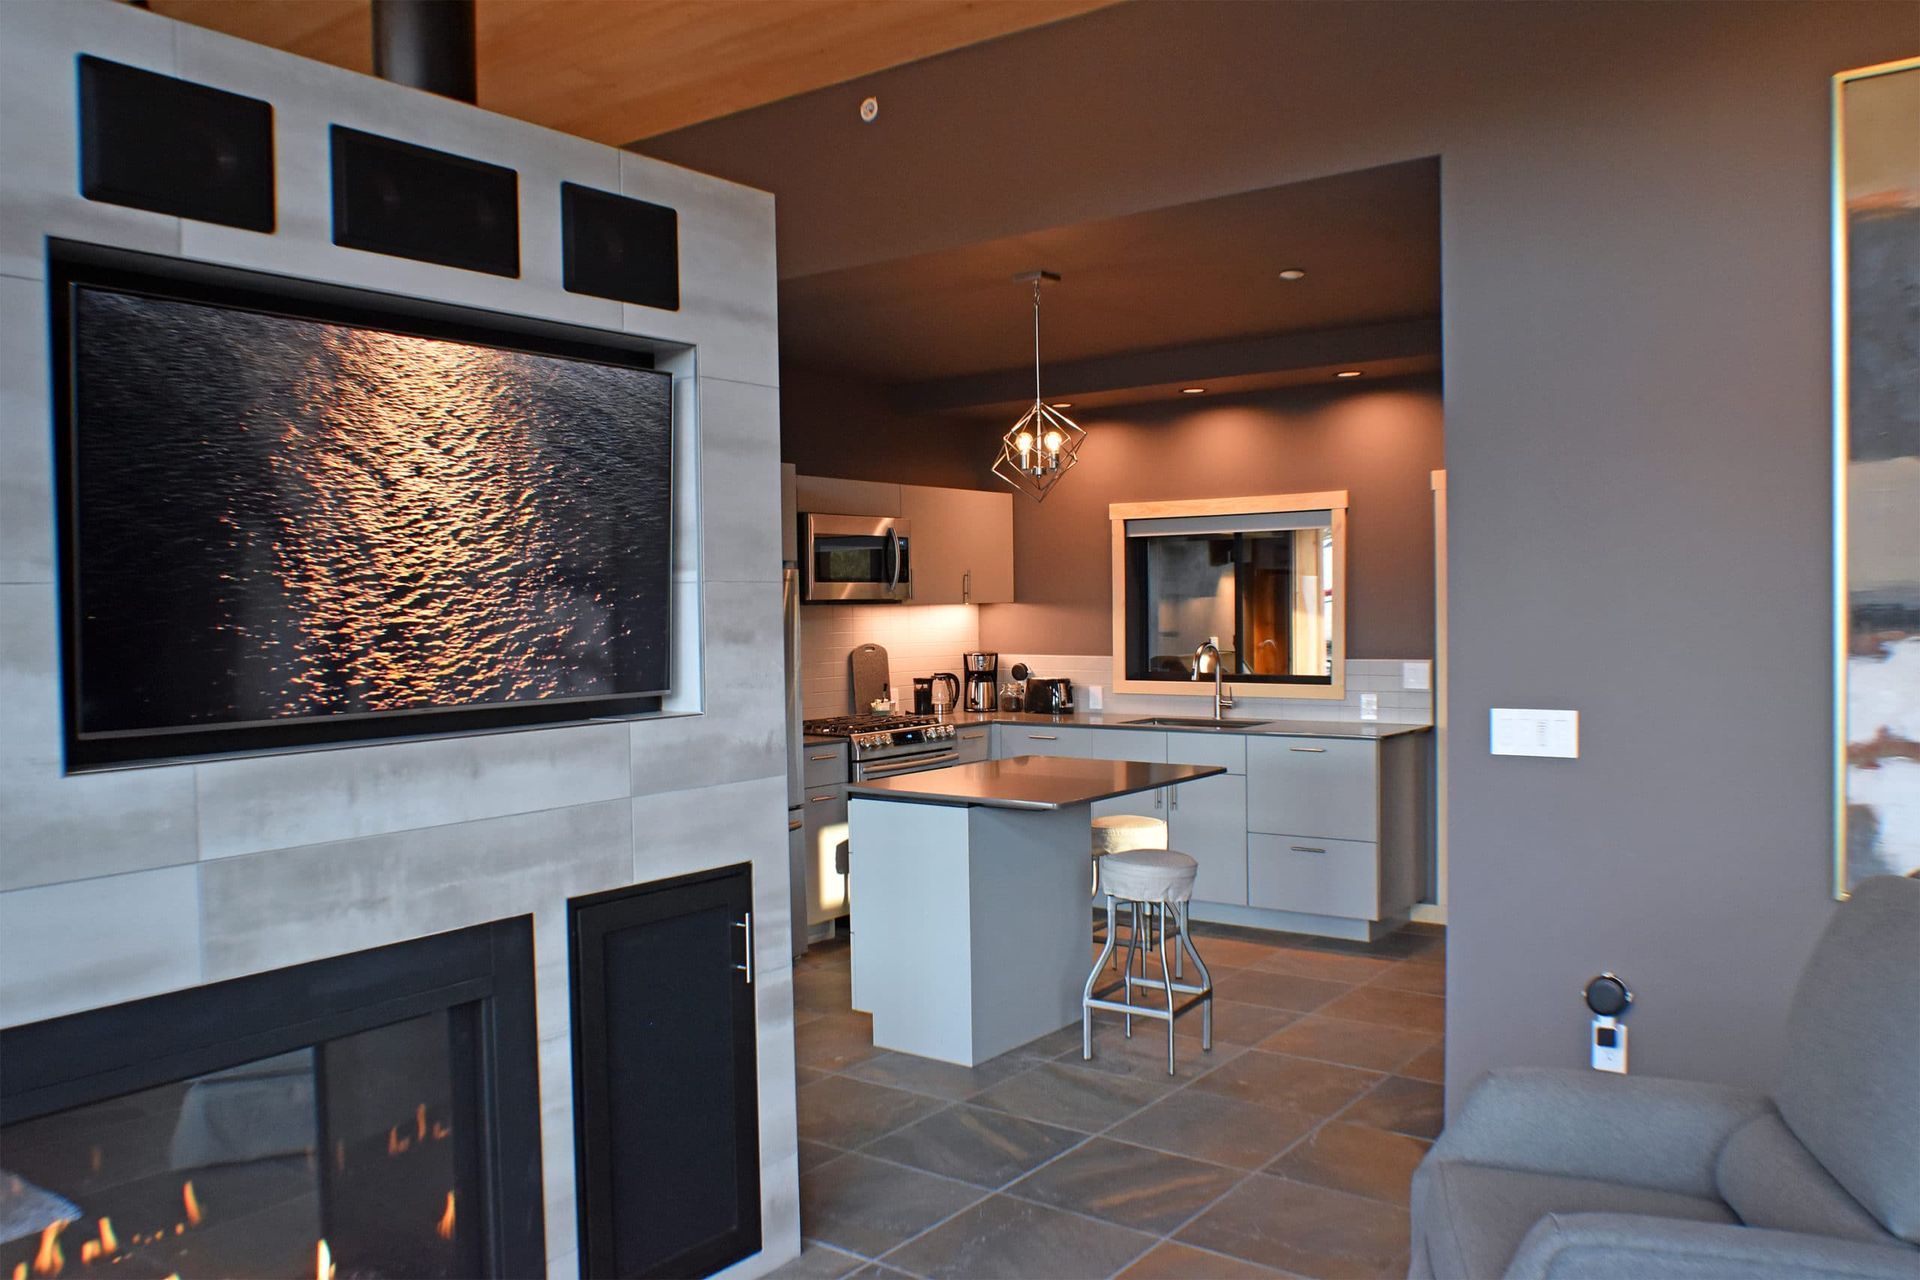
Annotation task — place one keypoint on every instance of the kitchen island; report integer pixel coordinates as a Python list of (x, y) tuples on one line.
[(969, 898)]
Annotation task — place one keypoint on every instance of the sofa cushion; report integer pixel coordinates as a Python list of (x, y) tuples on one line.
[(1851, 1088), (1472, 1217), (1770, 1180)]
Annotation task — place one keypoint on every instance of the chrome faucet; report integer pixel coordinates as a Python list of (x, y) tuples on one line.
[(1222, 696)]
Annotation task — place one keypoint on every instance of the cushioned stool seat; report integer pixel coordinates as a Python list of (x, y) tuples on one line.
[(1119, 832), (1148, 875)]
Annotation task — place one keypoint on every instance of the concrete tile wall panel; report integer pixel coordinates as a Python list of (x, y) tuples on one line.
[(277, 802), (81, 945), (308, 97), (779, 1117), (26, 431), (739, 481), (688, 510), (290, 906), (39, 130), (58, 828), (727, 271), (742, 734)]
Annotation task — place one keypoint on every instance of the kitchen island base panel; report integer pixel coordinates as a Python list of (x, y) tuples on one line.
[(1296, 921), (970, 924)]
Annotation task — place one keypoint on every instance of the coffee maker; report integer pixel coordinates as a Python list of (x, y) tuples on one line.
[(983, 681)]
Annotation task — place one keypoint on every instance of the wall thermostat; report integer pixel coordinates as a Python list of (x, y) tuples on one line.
[(869, 109), (1609, 999)]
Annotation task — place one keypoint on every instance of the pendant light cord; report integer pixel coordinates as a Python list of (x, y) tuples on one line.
[(1036, 342)]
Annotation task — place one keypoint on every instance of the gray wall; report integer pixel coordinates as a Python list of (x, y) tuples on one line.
[(121, 885), (1635, 263)]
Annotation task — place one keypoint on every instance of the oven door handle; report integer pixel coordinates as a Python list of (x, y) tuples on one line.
[(932, 758)]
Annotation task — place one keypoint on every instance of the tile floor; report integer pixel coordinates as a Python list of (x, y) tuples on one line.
[(1285, 1151)]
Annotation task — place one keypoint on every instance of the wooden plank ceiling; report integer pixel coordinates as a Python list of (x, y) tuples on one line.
[(617, 71)]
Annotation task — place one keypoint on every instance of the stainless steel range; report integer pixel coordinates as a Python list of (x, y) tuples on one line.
[(882, 746)]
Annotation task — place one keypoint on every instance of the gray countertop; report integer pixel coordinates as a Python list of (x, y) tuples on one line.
[(1029, 782)]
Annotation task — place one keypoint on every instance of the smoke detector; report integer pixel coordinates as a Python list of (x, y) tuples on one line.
[(869, 110)]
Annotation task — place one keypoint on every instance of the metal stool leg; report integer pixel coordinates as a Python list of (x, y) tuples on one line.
[(1206, 980), (1099, 963), (1166, 982), (1126, 972)]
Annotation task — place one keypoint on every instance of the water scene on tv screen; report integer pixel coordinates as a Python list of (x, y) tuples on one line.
[(282, 519)]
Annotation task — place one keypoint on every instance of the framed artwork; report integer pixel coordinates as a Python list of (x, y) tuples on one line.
[(1876, 465)]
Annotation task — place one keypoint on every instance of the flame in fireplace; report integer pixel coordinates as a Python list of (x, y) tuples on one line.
[(93, 1159), (51, 1260), (445, 1225), (192, 1202), (395, 1143), (420, 1121), (19, 1271), (441, 1131), (109, 1243), (322, 1261)]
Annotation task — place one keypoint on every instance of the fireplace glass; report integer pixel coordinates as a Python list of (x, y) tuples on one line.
[(356, 1157)]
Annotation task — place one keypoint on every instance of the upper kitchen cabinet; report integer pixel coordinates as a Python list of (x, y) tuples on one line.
[(962, 544), (824, 494)]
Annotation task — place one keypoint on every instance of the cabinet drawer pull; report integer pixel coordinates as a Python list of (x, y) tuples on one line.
[(831, 755), (1043, 737), (1312, 751), (745, 923), (1305, 848), (975, 736), (818, 799)]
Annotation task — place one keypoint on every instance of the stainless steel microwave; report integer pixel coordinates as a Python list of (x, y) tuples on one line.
[(855, 558)]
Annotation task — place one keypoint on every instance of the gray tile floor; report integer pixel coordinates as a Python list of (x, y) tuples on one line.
[(1285, 1151)]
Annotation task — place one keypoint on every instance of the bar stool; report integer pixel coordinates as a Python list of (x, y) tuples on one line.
[(1151, 881), (1118, 832)]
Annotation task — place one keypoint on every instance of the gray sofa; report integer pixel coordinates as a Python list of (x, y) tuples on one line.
[(1578, 1175)]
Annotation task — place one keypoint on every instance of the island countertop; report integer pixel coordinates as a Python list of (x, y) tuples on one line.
[(1029, 782)]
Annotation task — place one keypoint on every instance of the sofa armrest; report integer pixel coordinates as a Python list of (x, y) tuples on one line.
[(1640, 1130), (1606, 1246)]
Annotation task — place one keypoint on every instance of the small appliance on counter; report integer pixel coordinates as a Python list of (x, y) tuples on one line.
[(983, 681), (935, 695), (1050, 696)]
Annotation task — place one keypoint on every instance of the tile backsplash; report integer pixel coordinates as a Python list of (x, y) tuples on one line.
[(919, 640), (923, 639), (1382, 676)]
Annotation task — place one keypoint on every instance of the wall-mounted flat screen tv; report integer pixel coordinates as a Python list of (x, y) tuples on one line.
[(293, 514)]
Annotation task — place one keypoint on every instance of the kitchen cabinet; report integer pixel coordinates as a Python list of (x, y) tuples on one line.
[(823, 825), (667, 1123), (962, 544), (973, 743), (846, 497), (1316, 787), (1207, 821)]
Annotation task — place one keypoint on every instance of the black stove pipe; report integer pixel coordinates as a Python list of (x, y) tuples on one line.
[(428, 44)]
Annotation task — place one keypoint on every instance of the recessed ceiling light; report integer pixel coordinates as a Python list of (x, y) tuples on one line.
[(1347, 373), (1193, 391), (1063, 404), (1293, 273)]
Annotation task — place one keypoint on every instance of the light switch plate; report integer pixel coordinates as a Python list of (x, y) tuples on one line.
[(1524, 731), (1416, 675), (1096, 697), (1369, 706)]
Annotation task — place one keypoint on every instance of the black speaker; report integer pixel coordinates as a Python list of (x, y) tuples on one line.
[(617, 247), (153, 142), (414, 202)]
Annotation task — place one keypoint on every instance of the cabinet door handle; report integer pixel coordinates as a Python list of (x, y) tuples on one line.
[(974, 737), (818, 799), (1305, 848), (1173, 797), (745, 925), (966, 587), (1043, 737), (828, 756), (1312, 751)]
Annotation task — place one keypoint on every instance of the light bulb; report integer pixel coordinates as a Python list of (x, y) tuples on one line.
[(1023, 441), (1054, 441)]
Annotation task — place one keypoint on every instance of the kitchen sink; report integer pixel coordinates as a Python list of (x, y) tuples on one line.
[(1194, 722)]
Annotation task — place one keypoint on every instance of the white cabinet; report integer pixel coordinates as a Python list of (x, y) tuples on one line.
[(973, 743), (827, 495), (1207, 820), (823, 822), (962, 542)]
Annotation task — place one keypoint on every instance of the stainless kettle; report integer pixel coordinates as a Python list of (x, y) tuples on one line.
[(946, 692)]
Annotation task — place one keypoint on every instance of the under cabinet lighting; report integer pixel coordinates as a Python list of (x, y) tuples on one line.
[(1293, 273)]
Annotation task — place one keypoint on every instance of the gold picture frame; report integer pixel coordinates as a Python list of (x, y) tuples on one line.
[(1876, 472)]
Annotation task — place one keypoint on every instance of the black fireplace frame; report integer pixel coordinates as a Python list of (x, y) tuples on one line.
[(104, 1053)]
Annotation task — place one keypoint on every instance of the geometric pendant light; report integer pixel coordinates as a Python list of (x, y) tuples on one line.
[(1045, 443)]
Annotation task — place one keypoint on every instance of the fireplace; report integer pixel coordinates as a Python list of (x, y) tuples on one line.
[(374, 1114)]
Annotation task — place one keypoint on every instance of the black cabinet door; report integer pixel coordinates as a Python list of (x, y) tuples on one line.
[(666, 1113)]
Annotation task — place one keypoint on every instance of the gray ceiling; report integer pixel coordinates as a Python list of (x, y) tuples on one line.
[(1201, 273)]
